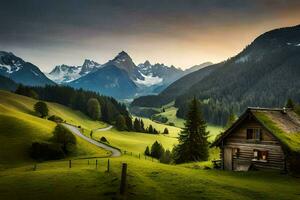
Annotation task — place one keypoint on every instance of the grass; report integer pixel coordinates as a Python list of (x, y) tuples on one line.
[(146, 180), (170, 113), (291, 140), (20, 127)]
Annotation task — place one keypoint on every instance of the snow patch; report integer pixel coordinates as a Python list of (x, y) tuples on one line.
[(149, 80), (34, 72)]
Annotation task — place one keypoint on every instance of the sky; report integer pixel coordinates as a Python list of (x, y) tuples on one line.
[(182, 33)]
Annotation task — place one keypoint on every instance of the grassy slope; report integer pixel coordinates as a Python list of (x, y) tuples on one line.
[(137, 142), (146, 179), (19, 127), (170, 113)]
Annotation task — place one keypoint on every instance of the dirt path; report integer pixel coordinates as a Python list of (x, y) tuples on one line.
[(75, 130)]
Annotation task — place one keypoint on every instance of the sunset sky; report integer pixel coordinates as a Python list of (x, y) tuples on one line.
[(178, 32)]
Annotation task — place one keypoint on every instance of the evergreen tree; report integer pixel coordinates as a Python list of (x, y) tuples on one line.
[(142, 126), (147, 151), (157, 150), (166, 157), (290, 104), (93, 108), (121, 123), (150, 129), (41, 108), (128, 121), (137, 125), (166, 131), (193, 144), (155, 131)]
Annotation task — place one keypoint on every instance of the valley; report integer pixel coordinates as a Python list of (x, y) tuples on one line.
[(150, 100)]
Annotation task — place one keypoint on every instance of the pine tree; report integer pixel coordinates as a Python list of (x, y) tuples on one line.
[(193, 144), (147, 151), (142, 126), (157, 150), (121, 123), (128, 121), (137, 125), (150, 129), (166, 157), (166, 131)]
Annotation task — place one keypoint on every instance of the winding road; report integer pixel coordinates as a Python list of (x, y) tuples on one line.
[(75, 130)]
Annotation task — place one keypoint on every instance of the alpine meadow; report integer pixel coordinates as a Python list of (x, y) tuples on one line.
[(150, 99)]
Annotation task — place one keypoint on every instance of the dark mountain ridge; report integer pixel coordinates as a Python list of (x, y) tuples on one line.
[(264, 74)]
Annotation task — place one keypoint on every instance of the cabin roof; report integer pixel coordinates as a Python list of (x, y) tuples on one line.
[(283, 124)]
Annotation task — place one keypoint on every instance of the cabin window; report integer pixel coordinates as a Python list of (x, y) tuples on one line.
[(253, 134), (260, 155)]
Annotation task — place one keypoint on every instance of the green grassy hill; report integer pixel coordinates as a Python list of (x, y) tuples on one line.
[(146, 180), (19, 127)]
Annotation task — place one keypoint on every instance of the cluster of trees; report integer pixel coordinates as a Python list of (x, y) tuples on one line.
[(60, 145), (124, 123), (218, 112), (90, 103), (157, 151)]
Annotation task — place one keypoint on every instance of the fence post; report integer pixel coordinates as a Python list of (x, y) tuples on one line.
[(123, 179), (34, 167), (70, 164), (108, 165), (96, 163)]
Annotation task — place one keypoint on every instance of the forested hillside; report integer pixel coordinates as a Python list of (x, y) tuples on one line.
[(265, 74), (76, 99)]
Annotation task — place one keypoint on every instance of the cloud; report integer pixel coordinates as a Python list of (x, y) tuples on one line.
[(141, 26)]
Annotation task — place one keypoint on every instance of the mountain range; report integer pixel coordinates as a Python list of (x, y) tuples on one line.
[(264, 74), (119, 77)]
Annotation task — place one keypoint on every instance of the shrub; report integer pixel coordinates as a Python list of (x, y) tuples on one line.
[(103, 139), (46, 151), (41, 108), (56, 119), (64, 136)]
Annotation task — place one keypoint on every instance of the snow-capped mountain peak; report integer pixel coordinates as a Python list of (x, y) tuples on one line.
[(65, 73), (9, 63)]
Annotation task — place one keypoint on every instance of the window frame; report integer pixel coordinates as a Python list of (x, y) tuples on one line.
[(260, 155), (255, 134)]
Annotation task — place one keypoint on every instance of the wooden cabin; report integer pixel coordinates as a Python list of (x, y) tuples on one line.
[(262, 139)]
